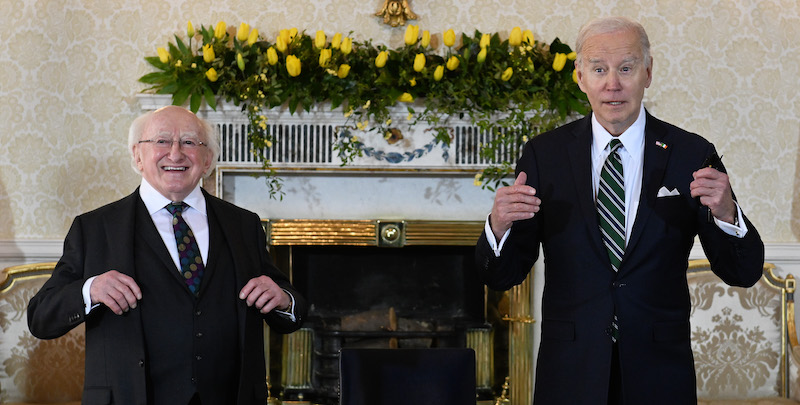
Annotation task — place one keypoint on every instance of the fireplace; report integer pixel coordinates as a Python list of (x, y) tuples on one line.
[(370, 284)]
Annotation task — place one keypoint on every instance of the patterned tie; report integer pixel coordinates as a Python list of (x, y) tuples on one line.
[(611, 212), (188, 251), (611, 205)]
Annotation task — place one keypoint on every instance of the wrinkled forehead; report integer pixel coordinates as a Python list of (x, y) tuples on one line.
[(620, 46), (173, 124)]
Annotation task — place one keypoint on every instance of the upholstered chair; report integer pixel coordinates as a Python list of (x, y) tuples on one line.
[(34, 371)]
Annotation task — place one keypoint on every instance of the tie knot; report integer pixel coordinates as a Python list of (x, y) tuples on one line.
[(176, 208), (615, 144)]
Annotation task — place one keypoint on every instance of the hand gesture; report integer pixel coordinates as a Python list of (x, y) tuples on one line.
[(513, 203), (265, 295), (714, 190), (117, 291)]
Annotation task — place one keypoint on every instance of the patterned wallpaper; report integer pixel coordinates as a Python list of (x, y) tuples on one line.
[(724, 69)]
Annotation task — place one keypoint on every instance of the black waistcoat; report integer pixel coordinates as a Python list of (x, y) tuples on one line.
[(191, 343)]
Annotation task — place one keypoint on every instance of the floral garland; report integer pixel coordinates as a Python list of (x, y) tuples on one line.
[(482, 78)]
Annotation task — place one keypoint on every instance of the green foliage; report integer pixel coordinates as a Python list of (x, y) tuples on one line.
[(533, 99)]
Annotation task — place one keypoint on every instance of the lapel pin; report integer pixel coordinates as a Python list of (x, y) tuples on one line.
[(662, 145)]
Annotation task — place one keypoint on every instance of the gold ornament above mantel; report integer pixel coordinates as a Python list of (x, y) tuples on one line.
[(396, 13)]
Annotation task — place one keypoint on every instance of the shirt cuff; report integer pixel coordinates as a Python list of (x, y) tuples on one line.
[(87, 298), (739, 229), (289, 314), (496, 247)]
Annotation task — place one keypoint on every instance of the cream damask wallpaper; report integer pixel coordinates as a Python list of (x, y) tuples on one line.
[(725, 69)]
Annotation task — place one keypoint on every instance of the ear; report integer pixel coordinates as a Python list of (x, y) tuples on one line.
[(137, 157), (649, 74), (579, 75)]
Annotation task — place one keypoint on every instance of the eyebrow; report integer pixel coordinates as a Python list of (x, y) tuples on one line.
[(632, 59), (181, 135)]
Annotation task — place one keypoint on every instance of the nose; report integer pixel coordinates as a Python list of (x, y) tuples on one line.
[(175, 151), (613, 81)]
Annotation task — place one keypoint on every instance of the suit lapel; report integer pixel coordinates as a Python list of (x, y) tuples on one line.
[(655, 165), (148, 233), (119, 229), (579, 150)]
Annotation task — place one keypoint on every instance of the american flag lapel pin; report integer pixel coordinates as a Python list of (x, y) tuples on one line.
[(661, 145)]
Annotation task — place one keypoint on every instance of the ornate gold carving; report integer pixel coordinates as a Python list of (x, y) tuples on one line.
[(287, 232), (503, 399), (396, 13)]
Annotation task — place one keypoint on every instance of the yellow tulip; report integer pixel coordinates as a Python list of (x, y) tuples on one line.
[(419, 62), (219, 31), (449, 38), (559, 61), (208, 53), (281, 44), (211, 74), (189, 29), (485, 40), (336, 41), (253, 37), (324, 57), (320, 40), (344, 69), (482, 55), (380, 60), (347, 46), (163, 55), (412, 82), (572, 55), (283, 35), (575, 76), (527, 36), (293, 65), (240, 61), (507, 74), (426, 39), (412, 33), (438, 73), (243, 32), (272, 56), (292, 34), (515, 38), (405, 98), (452, 63)]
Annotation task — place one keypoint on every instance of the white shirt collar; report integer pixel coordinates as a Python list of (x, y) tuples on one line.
[(632, 139), (154, 201)]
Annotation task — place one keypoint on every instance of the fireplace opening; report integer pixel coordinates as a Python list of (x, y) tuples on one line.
[(377, 297)]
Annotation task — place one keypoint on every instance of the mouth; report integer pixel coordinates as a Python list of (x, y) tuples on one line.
[(174, 168), (615, 103)]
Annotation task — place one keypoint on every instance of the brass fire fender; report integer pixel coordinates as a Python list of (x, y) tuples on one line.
[(297, 362)]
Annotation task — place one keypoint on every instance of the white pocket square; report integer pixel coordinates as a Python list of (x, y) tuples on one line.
[(663, 192)]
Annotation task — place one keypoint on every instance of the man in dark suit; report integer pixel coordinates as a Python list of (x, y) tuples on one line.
[(615, 311), (173, 315)]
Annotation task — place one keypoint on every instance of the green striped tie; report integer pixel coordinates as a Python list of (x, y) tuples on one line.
[(611, 205), (611, 212)]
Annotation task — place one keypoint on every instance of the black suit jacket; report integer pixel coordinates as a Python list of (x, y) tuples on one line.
[(649, 294), (103, 240)]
